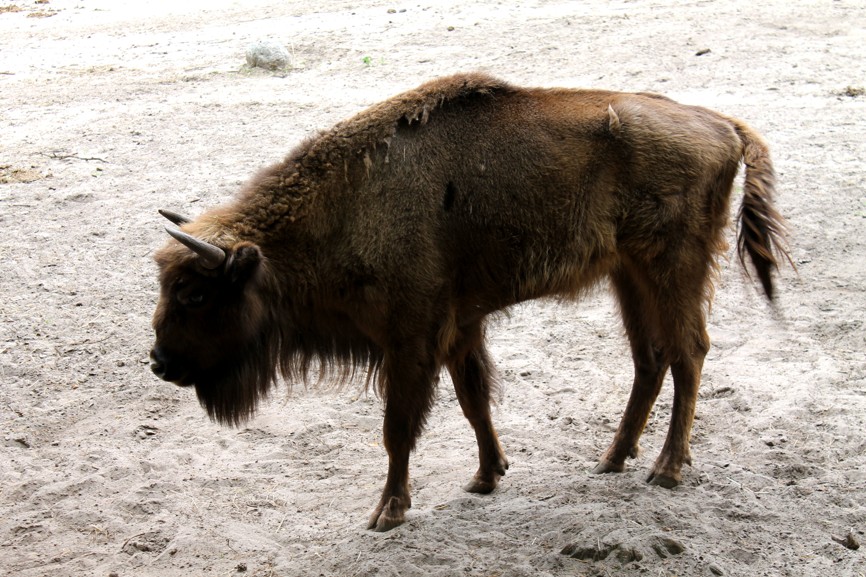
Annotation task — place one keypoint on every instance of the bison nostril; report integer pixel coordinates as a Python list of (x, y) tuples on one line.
[(157, 368), (156, 364), (166, 367)]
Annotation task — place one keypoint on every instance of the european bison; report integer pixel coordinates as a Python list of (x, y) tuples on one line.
[(386, 242)]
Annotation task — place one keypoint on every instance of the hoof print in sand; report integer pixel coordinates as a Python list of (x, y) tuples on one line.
[(623, 547), (152, 542)]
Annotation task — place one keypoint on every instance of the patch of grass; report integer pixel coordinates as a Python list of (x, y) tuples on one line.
[(370, 61)]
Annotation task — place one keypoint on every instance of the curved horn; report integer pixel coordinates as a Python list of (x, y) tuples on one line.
[(211, 256), (174, 217)]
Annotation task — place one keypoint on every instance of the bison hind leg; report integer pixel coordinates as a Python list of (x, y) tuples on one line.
[(390, 513), (486, 479), (663, 311), (641, 321), (686, 370)]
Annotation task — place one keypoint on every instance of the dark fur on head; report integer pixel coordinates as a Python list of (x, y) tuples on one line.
[(215, 328), (254, 334)]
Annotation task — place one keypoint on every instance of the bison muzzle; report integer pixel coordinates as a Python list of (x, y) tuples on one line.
[(384, 244)]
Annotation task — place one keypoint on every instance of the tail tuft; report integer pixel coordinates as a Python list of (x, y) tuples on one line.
[(762, 231)]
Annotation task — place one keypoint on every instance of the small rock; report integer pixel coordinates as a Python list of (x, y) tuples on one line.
[(703, 51), (267, 54), (715, 569), (145, 431), (241, 568)]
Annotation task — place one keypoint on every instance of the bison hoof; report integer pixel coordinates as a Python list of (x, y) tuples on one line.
[(605, 466), (388, 516), (486, 480), (481, 486), (662, 480)]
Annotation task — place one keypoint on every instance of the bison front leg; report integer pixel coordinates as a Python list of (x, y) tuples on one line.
[(473, 382), (408, 392)]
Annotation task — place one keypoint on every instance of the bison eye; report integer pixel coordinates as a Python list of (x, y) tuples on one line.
[(195, 299), (192, 294)]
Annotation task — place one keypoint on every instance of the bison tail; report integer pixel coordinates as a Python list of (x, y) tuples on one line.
[(761, 229)]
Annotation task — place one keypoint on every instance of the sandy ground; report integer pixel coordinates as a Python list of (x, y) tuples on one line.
[(111, 109)]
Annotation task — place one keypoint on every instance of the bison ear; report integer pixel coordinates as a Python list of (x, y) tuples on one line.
[(244, 262)]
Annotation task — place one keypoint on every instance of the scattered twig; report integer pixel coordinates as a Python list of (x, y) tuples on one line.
[(852, 91), (125, 543), (58, 156), (849, 541), (89, 341)]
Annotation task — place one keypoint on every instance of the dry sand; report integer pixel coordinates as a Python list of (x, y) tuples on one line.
[(111, 109)]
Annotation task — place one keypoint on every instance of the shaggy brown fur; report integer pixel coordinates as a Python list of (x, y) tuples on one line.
[(387, 241)]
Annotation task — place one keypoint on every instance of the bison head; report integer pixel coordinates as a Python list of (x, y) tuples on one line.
[(213, 324)]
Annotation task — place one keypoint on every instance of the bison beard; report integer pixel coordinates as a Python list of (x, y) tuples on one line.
[(230, 392), (385, 244)]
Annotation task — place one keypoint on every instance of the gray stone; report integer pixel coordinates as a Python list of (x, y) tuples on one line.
[(267, 54)]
